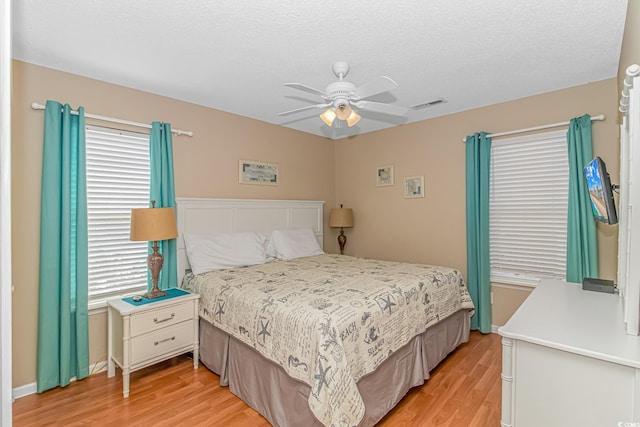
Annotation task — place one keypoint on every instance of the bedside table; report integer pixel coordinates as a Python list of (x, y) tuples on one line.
[(142, 335)]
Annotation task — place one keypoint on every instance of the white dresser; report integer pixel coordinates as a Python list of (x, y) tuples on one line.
[(567, 361), (141, 335)]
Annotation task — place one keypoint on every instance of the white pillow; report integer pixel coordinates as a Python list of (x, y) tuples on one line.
[(292, 244), (208, 252)]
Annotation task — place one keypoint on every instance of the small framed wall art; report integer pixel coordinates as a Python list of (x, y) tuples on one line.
[(252, 172), (413, 187), (384, 176)]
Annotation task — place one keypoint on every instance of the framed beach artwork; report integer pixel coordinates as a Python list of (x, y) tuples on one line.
[(413, 187), (384, 176), (252, 172)]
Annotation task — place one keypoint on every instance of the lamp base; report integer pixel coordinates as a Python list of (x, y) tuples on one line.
[(342, 240), (154, 293), (155, 261)]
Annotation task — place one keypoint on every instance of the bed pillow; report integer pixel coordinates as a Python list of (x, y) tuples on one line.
[(208, 252), (292, 244)]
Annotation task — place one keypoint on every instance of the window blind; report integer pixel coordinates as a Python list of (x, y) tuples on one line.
[(117, 181), (529, 187)]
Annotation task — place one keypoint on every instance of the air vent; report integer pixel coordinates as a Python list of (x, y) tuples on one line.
[(429, 104)]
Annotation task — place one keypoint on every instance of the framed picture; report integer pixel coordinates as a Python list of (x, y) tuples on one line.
[(413, 187), (384, 176), (251, 172)]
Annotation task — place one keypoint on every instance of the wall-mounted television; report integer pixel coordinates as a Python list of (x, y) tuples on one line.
[(600, 192)]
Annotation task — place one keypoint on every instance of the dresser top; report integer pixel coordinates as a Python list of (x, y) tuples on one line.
[(563, 316)]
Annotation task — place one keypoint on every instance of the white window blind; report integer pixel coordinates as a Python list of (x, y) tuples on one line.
[(529, 188), (117, 181)]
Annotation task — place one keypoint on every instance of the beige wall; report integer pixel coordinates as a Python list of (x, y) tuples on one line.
[(206, 165), (432, 229), (505, 301)]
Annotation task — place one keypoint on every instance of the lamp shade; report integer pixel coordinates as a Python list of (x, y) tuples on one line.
[(153, 224), (341, 217), (328, 116), (353, 118)]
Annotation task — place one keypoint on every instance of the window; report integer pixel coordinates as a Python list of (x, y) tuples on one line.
[(117, 181), (528, 201)]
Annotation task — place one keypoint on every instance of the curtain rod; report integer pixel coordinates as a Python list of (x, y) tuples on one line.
[(552, 125), (37, 106), (631, 72)]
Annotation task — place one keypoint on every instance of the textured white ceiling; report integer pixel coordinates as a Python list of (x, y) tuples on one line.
[(235, 55)]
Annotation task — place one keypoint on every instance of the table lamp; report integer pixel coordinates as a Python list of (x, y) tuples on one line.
[(343, 218), (153, 224)]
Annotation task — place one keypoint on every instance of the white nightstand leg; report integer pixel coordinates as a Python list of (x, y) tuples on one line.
[(111, 366), (125, 382), (126, 356), (196, 344)]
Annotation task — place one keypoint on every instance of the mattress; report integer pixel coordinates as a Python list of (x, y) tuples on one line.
[(328, 321)]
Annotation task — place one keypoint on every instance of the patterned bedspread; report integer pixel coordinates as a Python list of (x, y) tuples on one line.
[(329, 319)]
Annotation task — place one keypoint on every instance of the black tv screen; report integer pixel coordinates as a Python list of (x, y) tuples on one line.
[(600, 192)]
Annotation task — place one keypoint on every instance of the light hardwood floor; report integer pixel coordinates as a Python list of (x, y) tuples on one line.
[(464, 390)]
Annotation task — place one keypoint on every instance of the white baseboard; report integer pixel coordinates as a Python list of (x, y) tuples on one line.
[(27, 389), (24, 390), (494, 329)]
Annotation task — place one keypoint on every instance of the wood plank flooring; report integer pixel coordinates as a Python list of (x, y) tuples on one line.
[(464, 390)]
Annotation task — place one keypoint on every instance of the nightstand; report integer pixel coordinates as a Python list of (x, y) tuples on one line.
[(141, 335)]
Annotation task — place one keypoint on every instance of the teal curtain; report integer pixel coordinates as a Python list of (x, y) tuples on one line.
[(63, 339), (163, 192), (478, 162), (582, 244)]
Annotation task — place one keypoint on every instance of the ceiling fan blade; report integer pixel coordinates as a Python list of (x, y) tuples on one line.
[(308, 89), (379, 107), (308, 107), (382, 84)]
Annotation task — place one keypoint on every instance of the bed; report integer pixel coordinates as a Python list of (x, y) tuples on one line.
[(320, 339)]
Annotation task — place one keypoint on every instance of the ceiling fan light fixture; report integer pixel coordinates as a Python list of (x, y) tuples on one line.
[(353, 118), (328, 116), (343, 111)]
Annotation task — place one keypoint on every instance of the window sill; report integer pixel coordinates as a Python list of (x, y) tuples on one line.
[(100, 305), (521, 281)]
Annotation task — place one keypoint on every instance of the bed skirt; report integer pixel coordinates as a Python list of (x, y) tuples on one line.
[(282, 400)]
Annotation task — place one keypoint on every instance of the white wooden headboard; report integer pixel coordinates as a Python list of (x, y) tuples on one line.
[(232, 215)]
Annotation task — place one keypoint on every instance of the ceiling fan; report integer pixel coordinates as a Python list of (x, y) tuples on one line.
[(341, 96)]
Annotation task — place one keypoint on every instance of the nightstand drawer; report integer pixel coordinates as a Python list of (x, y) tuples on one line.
[(161, 318), (162, 342)]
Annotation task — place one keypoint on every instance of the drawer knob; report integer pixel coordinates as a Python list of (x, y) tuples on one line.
[(164, 340), (155, 319)]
